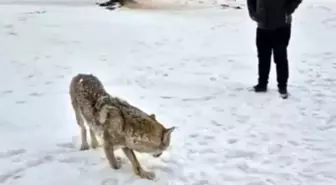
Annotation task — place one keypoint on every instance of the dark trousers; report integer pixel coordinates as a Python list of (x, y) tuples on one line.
[(275, 41)]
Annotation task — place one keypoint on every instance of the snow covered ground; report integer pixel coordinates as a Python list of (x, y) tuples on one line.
[(191, 67)]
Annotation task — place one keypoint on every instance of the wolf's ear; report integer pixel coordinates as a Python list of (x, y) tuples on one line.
[(152, 116), (171, 129), (167, 134)]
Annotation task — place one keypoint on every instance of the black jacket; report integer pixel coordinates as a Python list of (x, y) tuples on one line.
[(272, 14)]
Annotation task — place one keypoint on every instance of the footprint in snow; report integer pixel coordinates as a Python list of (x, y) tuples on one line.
[(205, 141), (215, 123), (60, 76), (209, 137), (20, 102), (193, 135), (30, 76), (36, 94), (12, 33), (232, 141), (240, 154), (8, 26), (6, 92), (48, 83)]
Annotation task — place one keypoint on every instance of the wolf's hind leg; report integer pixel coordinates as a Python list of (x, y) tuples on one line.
[(84, 142), (80, 122), (88, 114)]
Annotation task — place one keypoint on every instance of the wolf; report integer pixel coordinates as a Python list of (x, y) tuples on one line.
[(117, 123)]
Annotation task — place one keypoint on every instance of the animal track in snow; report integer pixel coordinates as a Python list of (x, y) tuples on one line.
[(6, 92), (60, 76), (193, 135), (218, 109), (205, 140), (48, 83), (240, 154), (215, 123), (60, 67), (20, 102), (12, 33), (36, 94), (242, 118), (8, 26), (274, 149), (232, 141), (208, 137), (30, 76)]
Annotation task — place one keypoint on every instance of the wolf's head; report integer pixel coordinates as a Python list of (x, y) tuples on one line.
[(153, 138), (165, 142), (163, 138)]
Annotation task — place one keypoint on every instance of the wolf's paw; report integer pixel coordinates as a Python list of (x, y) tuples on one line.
[(117, 164), (84, 146), (147, 175), (94, 144)]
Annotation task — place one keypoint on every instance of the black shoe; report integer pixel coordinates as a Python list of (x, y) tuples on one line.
[(114, 6), (107, 3), (283, 93), (260, 88)]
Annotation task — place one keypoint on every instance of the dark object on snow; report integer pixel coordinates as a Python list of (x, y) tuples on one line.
[(112, 4), (273, 34), (229, 6), (107, 3)]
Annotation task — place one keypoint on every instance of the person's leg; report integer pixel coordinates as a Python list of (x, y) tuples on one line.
[(264, 59), (281, 41)]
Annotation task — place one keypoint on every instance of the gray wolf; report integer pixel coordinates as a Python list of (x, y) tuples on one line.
[(274, 19), (118, 123)]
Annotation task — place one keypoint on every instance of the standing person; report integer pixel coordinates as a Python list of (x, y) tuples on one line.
[(274, 19)]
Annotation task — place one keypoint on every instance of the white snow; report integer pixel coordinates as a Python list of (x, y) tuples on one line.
[(189, 66)]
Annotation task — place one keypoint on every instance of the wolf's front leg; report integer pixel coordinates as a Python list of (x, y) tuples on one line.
[(94, 141), (113, 122), (115, 162), (138, 170)]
